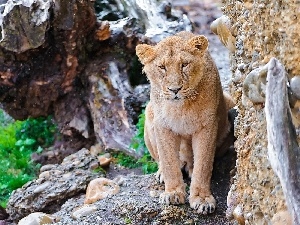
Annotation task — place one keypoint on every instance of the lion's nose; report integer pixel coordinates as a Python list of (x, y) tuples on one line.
[(175, 90)]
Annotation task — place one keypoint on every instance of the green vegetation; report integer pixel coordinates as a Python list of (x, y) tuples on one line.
[(99, 170), (18, 140), (148, 164), (125, 160), (42, 130), (127, 220), (138, 143)]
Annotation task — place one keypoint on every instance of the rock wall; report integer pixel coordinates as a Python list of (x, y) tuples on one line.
[(262, 29)]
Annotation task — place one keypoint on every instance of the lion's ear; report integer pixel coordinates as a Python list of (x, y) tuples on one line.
[(146, 53), (199, 42)]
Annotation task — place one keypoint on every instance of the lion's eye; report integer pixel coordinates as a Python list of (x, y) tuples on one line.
[(162, 67), (184, 65)]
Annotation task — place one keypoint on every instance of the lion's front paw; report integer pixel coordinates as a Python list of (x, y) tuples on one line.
[(203, 205), (172, 198)]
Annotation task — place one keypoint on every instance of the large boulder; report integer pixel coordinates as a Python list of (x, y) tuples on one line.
[(55, 184)]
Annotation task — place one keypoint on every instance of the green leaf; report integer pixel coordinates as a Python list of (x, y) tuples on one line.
[(39, 150), (29, 142), (22, 148), (19, 143)]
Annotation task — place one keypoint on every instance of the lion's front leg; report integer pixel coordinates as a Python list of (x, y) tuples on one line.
[(168, 145), (204, 144)]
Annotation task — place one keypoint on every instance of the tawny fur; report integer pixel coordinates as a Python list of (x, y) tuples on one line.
[(186, 118)]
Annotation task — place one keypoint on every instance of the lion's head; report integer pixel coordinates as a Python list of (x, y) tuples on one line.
[(175, 65)]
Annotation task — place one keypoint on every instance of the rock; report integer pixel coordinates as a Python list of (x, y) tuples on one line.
[(38, 218), (254, 85), (265, 29), (134, 205), (103, 32), (3, 213), (113, 124), (283, 148), (232, 202), (54, 185), (282, 218), (105, 160), (96, 149), (100, 188), (17, 34), (238, 215), (222, 28), (160, 19), (89, 106), (28, 43), (295, 86), (81, 211)]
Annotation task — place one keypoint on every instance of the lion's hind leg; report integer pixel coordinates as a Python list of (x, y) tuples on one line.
[(186, 156), (149, 134)]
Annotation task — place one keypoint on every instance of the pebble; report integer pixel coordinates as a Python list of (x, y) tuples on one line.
[(295, 86), (96, 149), (100, 188), (83, 211), (104, 160), (38, 218), (45, 174), (238, 215), (47, 167), (42, 187)]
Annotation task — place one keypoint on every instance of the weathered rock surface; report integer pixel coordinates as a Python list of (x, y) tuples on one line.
[(24, 24), (137, 203), (263, 29), (55, 184), (137, 200)]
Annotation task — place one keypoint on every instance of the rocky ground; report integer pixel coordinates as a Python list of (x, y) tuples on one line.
[(59, 193), (137, 200)]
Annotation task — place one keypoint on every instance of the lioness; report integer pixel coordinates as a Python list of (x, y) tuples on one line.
[(186, 118)]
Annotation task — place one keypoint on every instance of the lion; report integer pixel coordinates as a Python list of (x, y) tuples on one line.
[(186, 119)]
